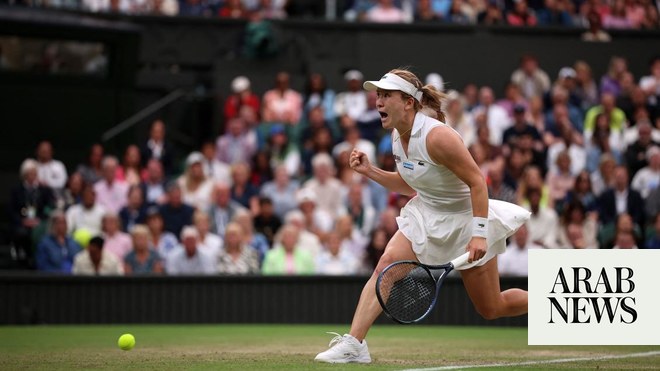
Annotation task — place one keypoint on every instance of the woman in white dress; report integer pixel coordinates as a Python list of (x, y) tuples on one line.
[(450, 214)]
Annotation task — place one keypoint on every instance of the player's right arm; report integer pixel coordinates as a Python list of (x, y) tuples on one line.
[(388, 179)]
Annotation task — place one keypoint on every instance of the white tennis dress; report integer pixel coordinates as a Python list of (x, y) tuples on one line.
[(438, 221)]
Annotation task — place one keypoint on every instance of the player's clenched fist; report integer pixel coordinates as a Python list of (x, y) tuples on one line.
[(359, 161)]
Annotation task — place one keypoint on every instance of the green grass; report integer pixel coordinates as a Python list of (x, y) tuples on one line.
[(287, 347)]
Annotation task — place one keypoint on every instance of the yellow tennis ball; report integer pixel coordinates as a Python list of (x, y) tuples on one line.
[(126, 342)]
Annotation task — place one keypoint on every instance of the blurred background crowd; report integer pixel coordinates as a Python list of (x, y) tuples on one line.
[(273, 193), (593, 14)]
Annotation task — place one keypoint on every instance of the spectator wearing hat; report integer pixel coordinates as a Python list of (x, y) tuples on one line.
[(352, 103), (521, 127), (531, 79), (241, 96), (648, 178), (187, 259), (317, 220), (86, 215), (176, 214), (282, 104), (153, 186), (96, 261), (159, 239), (56, 251), (111, 193), (238, 144), (195, 186), (157, 147)]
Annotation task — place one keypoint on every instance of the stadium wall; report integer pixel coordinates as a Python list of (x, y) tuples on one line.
[(30, 299)]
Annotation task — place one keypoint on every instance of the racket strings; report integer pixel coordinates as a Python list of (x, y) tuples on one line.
[(408, 291)]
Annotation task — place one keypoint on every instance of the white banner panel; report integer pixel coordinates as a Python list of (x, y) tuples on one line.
[(594, 297)]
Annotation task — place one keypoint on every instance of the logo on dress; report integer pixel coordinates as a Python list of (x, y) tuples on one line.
[(408, 165)]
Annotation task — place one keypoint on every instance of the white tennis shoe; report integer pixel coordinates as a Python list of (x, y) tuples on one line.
[(345, 349)]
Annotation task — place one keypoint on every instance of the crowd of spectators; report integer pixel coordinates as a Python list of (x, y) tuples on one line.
[(273, 193), (593, 14)]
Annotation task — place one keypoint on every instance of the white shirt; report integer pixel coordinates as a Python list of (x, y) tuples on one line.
[(199, 198), (543, 227), (77, 217), (217, 170), (498, 122), (577, 154), (110, 265), (385, 15), (621, 199), (645, 181), (178, 263), (211, 245), (513, 262), (350, 103), (341, 264), (363, 145), (329, 195), (52, 173)]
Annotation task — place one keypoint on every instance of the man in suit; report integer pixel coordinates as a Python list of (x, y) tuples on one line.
[(223, 209), (621, 199), (157, 147)]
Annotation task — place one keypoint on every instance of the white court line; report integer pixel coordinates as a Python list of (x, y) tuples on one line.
[(541, 362)]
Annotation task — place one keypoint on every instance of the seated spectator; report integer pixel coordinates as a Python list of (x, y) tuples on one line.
[(334, 260), (532, 179), (195, 186), (603, 141), (352, 103), (213, 168), (575, 214), (86, 215), (282, 104), (636, 152), (621, 199), (326, 190), (360, 208), (586, 89), (241, 96), (242, 191), (458, 118), (375, 248), (512, 135), (153, 187), (91, 170), (130, 170), (195, 8), (425, 13), (595, 33), (223, 208), (175, 213), (261, 170), (575, 237), (317, 94), (111, 193), (317, 220), (650, 84), (142, 259), (281, 191), (560, 181), (652, 204), (653, 241), (648, 178), (521, 15), (267, 222), (513, 262), (237, 257), (157, 147), (610, 82), (616, 18), (162, 241), (352, 241), (255, 240), (496, 117), (617, 119), (116, 241), (30, 204), (531, 79), (624, 223), (208, 242), (187, 259), (570, 141), (554, 14), (135, 212), (352, 140), (582, 192), (461, 12), (497, 189), (624, 240), (603, 178), (543, 222), (95, 261), (238, 144), (283, 151), (72, 194), (233, 9), (51, 172), (56, 251), (386, 12), (286, 257), (492, 15)]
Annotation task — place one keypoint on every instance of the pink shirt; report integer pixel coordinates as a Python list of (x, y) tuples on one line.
[(118, 244), (286, 108), (111, 197), (385, 15)]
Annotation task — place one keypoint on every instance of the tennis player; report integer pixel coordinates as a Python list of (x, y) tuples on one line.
[(450, 214)]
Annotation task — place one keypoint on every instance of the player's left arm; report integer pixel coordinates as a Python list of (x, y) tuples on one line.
[(446, 148)]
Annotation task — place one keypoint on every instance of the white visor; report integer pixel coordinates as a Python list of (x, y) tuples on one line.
[(393, 82)]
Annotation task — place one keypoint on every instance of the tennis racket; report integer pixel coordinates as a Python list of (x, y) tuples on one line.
[(408, 291)]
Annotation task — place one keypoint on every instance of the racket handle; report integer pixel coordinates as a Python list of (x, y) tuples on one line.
[(461, 260)]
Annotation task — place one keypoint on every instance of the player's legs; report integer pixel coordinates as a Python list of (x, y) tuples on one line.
[(368, 308), (482, 284)]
